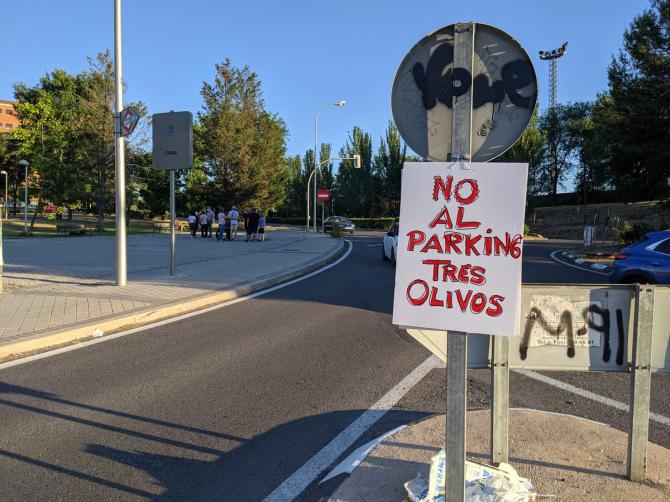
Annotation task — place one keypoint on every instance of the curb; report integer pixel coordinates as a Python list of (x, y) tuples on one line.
[(23, 346), (564, 257)]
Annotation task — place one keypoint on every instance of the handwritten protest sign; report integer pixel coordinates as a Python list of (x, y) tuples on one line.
[(459, 247)]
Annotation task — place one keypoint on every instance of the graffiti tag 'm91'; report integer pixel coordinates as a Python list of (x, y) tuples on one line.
[(568, 328)]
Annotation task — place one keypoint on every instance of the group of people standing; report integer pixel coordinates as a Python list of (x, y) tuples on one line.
[(228, 223)]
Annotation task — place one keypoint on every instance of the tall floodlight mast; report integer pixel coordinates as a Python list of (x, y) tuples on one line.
[(552, 56)]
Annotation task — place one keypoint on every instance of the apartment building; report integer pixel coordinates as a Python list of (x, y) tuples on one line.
[(8, 118)]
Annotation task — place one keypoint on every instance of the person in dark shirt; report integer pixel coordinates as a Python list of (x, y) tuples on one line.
[(252, 230)]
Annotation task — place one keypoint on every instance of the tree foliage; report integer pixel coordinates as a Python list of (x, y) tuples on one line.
[(634, 115), (241, 144)]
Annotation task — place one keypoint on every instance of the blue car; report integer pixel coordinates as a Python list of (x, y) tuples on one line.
[(647, 261)]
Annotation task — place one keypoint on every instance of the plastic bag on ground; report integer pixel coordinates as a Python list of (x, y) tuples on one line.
[(483, 483)]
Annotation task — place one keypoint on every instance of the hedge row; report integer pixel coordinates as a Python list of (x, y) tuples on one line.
[(373, 223), (367, 223)]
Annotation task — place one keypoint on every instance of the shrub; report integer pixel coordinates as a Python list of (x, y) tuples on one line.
[(336, 233), (629, 233), (526, 229)]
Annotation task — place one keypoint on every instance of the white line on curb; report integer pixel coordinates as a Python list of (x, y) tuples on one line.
[(553, 257), (304, 476), (157, 324), (588, 394)]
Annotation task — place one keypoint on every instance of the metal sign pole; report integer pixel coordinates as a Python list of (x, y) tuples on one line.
[(457, 342), (121, 263), (172, 225), (499, 399)]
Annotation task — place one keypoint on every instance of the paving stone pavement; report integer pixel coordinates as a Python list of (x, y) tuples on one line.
[(50, 283)]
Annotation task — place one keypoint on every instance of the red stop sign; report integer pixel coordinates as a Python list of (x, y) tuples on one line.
[(323, 195)]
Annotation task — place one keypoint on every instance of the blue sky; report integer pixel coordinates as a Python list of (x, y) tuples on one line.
[(306, 53)]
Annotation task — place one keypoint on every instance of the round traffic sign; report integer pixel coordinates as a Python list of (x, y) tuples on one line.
[(504, 93)]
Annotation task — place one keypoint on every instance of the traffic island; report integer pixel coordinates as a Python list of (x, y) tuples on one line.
[(564, 456)]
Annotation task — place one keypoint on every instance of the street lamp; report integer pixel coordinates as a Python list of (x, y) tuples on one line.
[(6, 210), (24, 164), (357, 164), (316, 162)]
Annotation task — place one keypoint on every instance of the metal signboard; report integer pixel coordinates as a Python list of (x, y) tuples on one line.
[(128, 120), (568, 327), (323, 195), (459, 247), (172, 140), (427, 88)]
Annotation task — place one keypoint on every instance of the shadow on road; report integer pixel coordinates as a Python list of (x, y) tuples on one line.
[(249, 471)]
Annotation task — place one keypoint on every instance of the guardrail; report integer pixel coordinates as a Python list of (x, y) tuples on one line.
[(620, 328)]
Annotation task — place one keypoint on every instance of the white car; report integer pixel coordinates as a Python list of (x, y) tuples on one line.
[(390, 247)]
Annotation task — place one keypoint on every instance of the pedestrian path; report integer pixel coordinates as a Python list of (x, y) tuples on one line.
[(51, 284)]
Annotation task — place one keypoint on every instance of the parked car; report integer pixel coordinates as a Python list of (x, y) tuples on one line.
[(344, 223), (647, 261), (390, 246)]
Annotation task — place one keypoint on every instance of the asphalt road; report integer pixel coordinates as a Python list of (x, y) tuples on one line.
[(228, 404)]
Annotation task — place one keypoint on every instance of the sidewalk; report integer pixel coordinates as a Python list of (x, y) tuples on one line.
[(57, 290), (565, 457)]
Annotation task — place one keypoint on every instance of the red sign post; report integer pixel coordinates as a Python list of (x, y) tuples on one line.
[(323, 195)]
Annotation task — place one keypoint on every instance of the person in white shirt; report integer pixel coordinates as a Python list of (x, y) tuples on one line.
[(233, 215), (193, 224), (222, 221)]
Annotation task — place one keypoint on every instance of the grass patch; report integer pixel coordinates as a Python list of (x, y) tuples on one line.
[(44, 227)]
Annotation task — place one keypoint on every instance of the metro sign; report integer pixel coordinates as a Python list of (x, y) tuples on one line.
[(323, 195)]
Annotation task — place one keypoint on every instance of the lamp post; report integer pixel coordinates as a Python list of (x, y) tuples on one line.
[(24, 164), (6, 210), (316, 162), (357, 164)]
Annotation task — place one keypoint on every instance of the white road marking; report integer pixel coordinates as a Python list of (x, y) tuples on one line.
[(588, 394), (304, 476), (350, 463), (598, 266), (373, 245), (157, 324), (553, 257)]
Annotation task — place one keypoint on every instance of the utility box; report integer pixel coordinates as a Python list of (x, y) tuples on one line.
[(172, 140)]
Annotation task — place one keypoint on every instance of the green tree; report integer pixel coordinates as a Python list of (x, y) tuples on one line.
[(635, 114), (560, 126), (67, 134), (355, 189), (50, 113), (242, 145), (529, 148), (296, 188), (388, 163)]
